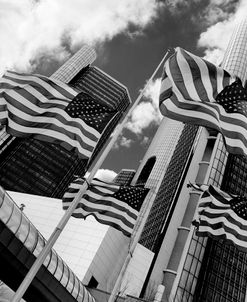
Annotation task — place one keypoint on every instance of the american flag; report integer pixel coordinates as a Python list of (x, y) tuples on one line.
[(195, 91), (222, 216), (113, 205), (49, 110)]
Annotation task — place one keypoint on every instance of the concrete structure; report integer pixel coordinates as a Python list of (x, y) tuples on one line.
[(20, 244), (89, 248)]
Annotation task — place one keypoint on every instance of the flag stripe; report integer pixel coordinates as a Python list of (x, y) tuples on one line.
[(191, 86), (102, 218), (214, 215), (221, 234), (234, 128), (189, 91), (21, 107), (34, 105), (56, 88), (118, 221), (217, 218), (96, 196), (112, 209), (108, 203)]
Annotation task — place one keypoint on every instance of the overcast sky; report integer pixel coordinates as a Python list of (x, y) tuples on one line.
[(130, 38)]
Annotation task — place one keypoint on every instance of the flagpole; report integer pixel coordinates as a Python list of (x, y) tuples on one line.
[(145, 211), (57, 231), (135, 238), (140, 222)]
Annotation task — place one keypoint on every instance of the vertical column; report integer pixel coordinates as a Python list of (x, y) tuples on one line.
[(173, 270)]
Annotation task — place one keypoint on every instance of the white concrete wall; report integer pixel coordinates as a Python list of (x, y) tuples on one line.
[(137, 271), (108, 260), (80, 239)]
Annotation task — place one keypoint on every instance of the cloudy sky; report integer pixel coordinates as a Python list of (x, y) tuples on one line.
[(130, 38)]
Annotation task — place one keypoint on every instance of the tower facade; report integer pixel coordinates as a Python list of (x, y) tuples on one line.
[(189, 267), (124, 177), (202, 269), (173, 142), (163, 170), (36, 167), (223, 274)]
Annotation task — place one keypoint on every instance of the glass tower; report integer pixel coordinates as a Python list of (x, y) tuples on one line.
[(167, 188), (124, 177), (36, 167), (192, 268), (214, 270), (163, 169), (223, 274)]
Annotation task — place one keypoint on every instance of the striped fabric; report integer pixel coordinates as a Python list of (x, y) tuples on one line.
[(195, 91), (49, 110), (113, 205), (222, 216)]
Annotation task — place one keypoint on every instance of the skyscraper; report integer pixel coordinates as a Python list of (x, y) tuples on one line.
[(223, 273), (174, 150), (41, 168), (124, 177), (189, 267), (163, 169)]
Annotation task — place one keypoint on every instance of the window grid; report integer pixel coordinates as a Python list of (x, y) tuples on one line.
[(168, 187), (188, 287)]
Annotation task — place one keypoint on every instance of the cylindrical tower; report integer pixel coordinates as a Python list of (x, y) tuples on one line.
[(235, 58), (214, 270), (223, 277), (81, 59)]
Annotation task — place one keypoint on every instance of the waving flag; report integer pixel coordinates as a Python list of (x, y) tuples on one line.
[(49, 110), (197, 92), (222, 216), (113, 205)]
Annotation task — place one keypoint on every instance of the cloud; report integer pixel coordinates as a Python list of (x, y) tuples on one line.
[(177, 6), (144, 115), (223, 14), (147, 112), (206, 12), (104, 174), (30, 29), (215, 39), (145, 140), (218, 10), (122, 141)]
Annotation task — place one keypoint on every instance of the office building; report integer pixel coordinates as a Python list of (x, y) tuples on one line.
[(169, 183), (124, 177), (192, 268), (223, 273), (162, 168), (36, 167)]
